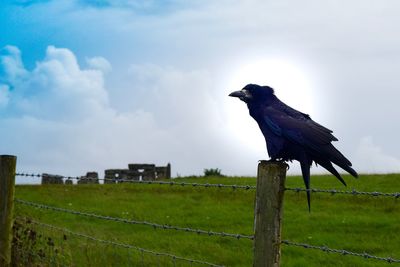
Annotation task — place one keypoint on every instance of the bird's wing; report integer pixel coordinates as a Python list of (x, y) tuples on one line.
[(299, 128), (279, 105)]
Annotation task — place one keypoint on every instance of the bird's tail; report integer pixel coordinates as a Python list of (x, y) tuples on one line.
[(340, 160), (305, 169), (328, 166), (347, 168)]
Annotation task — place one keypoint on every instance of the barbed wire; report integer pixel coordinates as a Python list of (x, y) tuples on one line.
[(233, 186), (128, 221), (207, 185), (340, 251), (349, 192), (118, 244)]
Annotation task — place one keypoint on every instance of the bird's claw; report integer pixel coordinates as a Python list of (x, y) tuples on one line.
[(276, 161)]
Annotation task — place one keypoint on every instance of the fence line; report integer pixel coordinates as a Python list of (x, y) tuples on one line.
[(207, 185), (198, 231), (165, 227), (211, 233), (118, 244), (116, 219), (340, 251), (232, 186), (350, 192)]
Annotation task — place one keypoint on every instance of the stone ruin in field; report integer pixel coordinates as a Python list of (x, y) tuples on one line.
[(138, 172), (135, 172), (52, 179), (89, 178)]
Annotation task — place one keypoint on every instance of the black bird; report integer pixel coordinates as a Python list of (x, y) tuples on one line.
[(291, 134)]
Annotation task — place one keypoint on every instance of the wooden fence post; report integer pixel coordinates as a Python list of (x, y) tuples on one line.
[(7, 181), (268, 213)]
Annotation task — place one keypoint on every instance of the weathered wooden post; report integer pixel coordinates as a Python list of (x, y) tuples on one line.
[(7, 181), (268, 213)]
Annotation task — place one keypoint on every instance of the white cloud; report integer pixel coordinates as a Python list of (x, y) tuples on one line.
[(99, 63), (11, 61), (373, 159), (57, 88), (176, 97), (4, 95)]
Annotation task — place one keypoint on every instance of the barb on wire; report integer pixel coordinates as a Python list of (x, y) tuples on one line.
[(116, 219), (207, 185), (340, 251), (351, 192), (118, 244)]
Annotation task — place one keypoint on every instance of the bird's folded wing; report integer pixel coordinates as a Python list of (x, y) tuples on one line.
[(298, 128)]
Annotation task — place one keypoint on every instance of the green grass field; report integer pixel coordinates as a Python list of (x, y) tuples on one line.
[(355, 223)]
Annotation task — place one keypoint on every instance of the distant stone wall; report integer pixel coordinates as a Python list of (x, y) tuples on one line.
[(52, 179), (89, 178), (145, 172), (137, 172), (163, 172), (112, 176)]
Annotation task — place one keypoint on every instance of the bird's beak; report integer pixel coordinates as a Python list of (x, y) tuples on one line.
[(243, 95), (239, 94)]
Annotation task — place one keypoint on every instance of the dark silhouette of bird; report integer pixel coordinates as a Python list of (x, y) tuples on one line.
[(293, 135)]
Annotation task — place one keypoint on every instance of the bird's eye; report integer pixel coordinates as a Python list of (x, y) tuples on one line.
[(247, 93)]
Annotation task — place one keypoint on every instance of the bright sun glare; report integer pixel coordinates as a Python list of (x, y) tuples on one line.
[(290, 84)]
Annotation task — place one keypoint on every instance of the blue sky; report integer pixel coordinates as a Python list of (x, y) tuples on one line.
[(91, 85)]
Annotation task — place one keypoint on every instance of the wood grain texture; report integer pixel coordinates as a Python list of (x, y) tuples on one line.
[(268, 213), (7, 182)]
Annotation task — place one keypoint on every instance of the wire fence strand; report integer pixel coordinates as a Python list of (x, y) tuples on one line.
[(129, 221), (340, 251), (343, 192), (353, 192), (118, 244), (171, 183)]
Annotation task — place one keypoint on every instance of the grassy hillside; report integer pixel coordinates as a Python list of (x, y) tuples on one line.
[(355, 223)]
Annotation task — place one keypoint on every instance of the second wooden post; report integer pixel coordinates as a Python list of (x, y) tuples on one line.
[(268, 213)]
